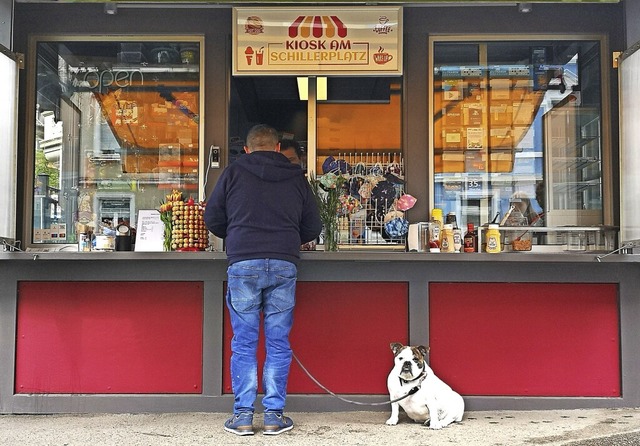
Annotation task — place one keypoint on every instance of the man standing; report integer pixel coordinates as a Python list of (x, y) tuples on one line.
[(264, 208)]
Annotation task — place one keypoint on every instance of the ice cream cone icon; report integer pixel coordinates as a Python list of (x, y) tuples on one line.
[(249, 53)]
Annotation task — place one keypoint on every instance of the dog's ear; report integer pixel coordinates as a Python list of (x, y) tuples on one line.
[(396, 347), (424, 350)]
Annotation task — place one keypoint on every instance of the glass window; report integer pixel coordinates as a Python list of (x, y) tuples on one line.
[(354, 127), (117, 128), (518, 123), (360, 135)]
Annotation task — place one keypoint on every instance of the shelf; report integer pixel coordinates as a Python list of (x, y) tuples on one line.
[(149, 68), (575, 186), (577, 163)]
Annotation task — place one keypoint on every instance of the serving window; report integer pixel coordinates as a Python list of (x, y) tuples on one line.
[(117, 127)]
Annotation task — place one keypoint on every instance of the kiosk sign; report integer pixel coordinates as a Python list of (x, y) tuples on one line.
[(348, 40)]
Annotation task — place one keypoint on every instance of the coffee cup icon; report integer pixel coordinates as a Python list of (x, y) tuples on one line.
[(382, 58)]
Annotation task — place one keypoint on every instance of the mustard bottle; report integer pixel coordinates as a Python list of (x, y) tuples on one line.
[(446, 239), (493, 239)]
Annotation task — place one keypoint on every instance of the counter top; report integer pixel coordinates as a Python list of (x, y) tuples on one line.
[(345, 256)]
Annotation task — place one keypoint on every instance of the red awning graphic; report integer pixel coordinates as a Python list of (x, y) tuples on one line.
[(316, 26)]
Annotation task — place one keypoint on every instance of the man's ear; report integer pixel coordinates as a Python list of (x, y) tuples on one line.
[(278, 147), (247, 150)]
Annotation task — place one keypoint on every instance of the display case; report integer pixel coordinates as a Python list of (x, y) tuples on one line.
[(117, 129), (573, 167)]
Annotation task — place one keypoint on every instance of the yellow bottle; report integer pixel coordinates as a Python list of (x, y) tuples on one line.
[(446, 239), (492, 236)]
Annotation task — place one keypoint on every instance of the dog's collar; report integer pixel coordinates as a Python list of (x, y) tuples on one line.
[(421, 377)]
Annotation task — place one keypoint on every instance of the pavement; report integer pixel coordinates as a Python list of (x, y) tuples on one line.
[(579, 427)]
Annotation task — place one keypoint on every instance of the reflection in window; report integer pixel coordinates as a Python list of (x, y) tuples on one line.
[(117, 128), (516, 121)]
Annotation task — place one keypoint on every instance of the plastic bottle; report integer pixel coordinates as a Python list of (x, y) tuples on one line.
[(446, 240), (435, 229), (457, 232), (493, 239), (470, 241)]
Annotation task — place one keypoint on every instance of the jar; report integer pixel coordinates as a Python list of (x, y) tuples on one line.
[(576, 241), (492, 237), (519, 240)]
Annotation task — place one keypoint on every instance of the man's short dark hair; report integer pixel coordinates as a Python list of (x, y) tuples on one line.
[(286, 143)]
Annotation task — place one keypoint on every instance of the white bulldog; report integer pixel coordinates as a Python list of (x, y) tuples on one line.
[(431, 398)]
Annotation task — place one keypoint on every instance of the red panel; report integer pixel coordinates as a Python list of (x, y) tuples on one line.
[(109, 337), (341, 334), (526, 339)]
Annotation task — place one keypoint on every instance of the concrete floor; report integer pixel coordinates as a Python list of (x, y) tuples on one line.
[(584, 427)]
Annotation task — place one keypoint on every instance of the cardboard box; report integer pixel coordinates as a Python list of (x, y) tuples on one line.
[(500, 138), (453, 139), (453, 162), (500, 113), (501, 162), (475, 161)]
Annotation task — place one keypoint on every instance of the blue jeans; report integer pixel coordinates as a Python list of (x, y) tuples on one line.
[(255, 286)]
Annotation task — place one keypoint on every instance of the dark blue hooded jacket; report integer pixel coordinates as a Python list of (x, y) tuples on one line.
[(263, 207)]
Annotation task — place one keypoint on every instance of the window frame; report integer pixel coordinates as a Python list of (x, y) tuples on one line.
[(30, 121), (607, 166)]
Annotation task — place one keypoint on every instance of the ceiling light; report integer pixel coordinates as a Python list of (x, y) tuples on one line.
[(321, 88), (303, 88)]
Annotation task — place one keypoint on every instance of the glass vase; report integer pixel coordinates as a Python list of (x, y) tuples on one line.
[(331, 235)]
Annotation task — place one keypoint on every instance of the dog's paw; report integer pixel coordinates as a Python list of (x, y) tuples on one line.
[(433, 425), (392, 421)]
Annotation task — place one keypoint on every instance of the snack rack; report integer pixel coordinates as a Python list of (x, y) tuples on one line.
[(374, 181)]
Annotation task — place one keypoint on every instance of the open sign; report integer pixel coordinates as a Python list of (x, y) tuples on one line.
[(102, 80)]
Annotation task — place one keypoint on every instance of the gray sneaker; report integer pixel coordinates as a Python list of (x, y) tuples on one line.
[(240, 424), (276, 423)]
